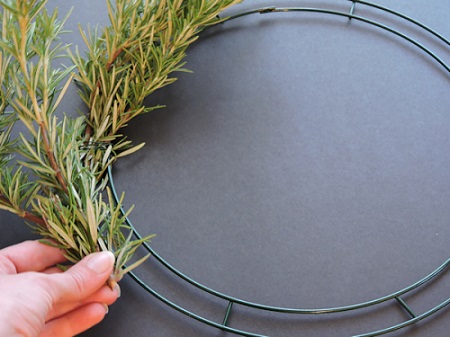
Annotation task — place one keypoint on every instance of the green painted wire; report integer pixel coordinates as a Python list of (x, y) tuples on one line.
[(231, 300)]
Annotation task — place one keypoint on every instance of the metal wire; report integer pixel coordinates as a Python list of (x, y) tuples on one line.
[(396, 296)]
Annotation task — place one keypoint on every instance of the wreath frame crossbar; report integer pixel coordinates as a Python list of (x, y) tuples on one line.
[(232, 301)]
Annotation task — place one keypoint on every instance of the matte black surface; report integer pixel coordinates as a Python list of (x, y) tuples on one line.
[(304, 163)]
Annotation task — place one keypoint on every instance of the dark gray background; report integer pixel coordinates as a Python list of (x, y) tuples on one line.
[(304, 163)]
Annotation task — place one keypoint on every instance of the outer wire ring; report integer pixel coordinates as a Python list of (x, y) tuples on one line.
[(233, 300)]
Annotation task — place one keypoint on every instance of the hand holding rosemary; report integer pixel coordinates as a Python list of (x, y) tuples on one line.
[(53, 175)]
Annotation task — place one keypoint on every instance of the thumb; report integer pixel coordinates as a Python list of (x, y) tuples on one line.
[(83, 279)]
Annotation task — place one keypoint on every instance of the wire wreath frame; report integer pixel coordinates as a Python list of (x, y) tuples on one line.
[(231, 301)]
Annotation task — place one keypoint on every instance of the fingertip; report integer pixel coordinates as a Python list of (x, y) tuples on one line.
[(100, 262), (117, 290), (105, 295), (106, 308), (97, 312)]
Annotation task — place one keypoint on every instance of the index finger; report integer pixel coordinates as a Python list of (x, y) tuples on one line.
[(30, 256)]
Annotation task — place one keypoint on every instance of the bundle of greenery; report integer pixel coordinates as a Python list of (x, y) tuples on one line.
[(53, 175)]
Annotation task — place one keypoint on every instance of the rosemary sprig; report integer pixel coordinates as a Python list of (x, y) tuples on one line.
[(134, 56), (59, 184)]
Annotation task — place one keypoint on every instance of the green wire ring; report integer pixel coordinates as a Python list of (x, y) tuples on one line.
[(232, 300)]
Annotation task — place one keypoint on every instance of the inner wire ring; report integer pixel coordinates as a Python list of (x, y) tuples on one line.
[(396, 296)]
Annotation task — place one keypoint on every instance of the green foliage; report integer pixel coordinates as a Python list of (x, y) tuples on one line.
[(59, 185), (134, 56)]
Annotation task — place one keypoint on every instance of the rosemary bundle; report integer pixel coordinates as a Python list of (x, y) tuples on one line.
[(53, 175)]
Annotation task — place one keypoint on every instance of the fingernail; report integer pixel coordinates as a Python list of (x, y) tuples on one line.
[(101, 262), (106, 309), (117, 289)]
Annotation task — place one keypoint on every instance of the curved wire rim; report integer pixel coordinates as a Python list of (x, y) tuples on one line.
[(233, 300), (236, 300)]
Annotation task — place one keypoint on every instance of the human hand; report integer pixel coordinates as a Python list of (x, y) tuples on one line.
[(39, 300)]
